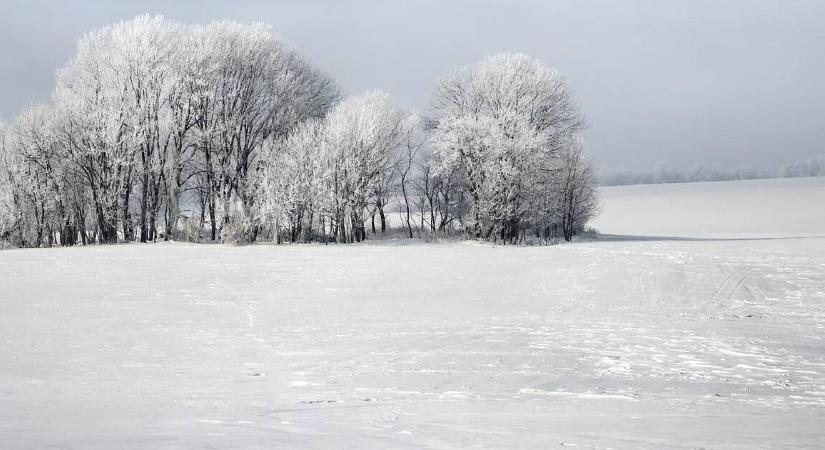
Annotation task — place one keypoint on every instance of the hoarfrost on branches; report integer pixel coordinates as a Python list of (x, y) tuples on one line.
[(221, 131)]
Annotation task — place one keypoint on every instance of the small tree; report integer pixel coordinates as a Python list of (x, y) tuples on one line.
[(577, 198), (412, 141)]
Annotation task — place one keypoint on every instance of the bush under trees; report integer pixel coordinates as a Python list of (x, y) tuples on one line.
[(161, 130)]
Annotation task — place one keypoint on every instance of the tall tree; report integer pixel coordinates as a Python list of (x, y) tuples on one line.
[(94, 108), (502, 121), (258, 88)]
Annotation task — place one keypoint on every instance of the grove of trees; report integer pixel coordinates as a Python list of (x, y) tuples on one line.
[(222, 132)]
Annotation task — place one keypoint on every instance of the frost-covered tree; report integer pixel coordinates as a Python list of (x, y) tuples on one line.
[(143, 50), (256, 88), (472, 143), (42, 192), (502, 122), (94, 115), (150, 104), (412, 146), (8, 205), (439, 192), (150, 109), (502, 160), (289, 182), (184, 162), (512, 84), (577, 199), (812, 167), (328, 174), (28, 178), (43, 177), (361, 141)]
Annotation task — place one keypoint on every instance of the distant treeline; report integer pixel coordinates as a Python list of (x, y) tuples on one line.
[(812, 167)]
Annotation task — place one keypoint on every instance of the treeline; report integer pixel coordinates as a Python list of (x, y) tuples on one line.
[(812, 167), (160, 130)]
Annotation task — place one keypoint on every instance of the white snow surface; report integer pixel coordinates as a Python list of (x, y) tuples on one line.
[(620, 343), (780, 207)]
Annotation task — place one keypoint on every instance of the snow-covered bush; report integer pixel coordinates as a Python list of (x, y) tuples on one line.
[(189, 229), (239, 229)]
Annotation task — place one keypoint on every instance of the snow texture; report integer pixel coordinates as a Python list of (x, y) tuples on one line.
[(780, 207), (619, 343)]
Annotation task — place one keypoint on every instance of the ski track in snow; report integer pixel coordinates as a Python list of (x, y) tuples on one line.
[(651, 344)]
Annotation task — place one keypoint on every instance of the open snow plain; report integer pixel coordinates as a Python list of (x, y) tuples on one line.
[(619, 343)]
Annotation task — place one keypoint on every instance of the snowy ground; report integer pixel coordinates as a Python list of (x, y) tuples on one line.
[(622, 343), (779, 207)]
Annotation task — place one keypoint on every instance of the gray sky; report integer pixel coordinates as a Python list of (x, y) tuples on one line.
[(725, 82)]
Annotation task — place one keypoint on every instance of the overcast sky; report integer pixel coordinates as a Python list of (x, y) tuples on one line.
[(673, 82)]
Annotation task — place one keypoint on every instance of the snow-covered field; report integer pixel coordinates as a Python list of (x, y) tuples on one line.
[(782, 207), (620, 343)]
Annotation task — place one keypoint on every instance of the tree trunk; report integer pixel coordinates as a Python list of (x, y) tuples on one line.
[(173, 208), (212, 224), (204, 207), (127, 219), (477, 224), (211, 183), (173, 196), (107, 230), (407, 206), (308, 231), (144, 205), (383, 218), (153, 229)]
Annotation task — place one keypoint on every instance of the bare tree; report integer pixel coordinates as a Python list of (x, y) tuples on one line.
[(577, 192), (412, 141)]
